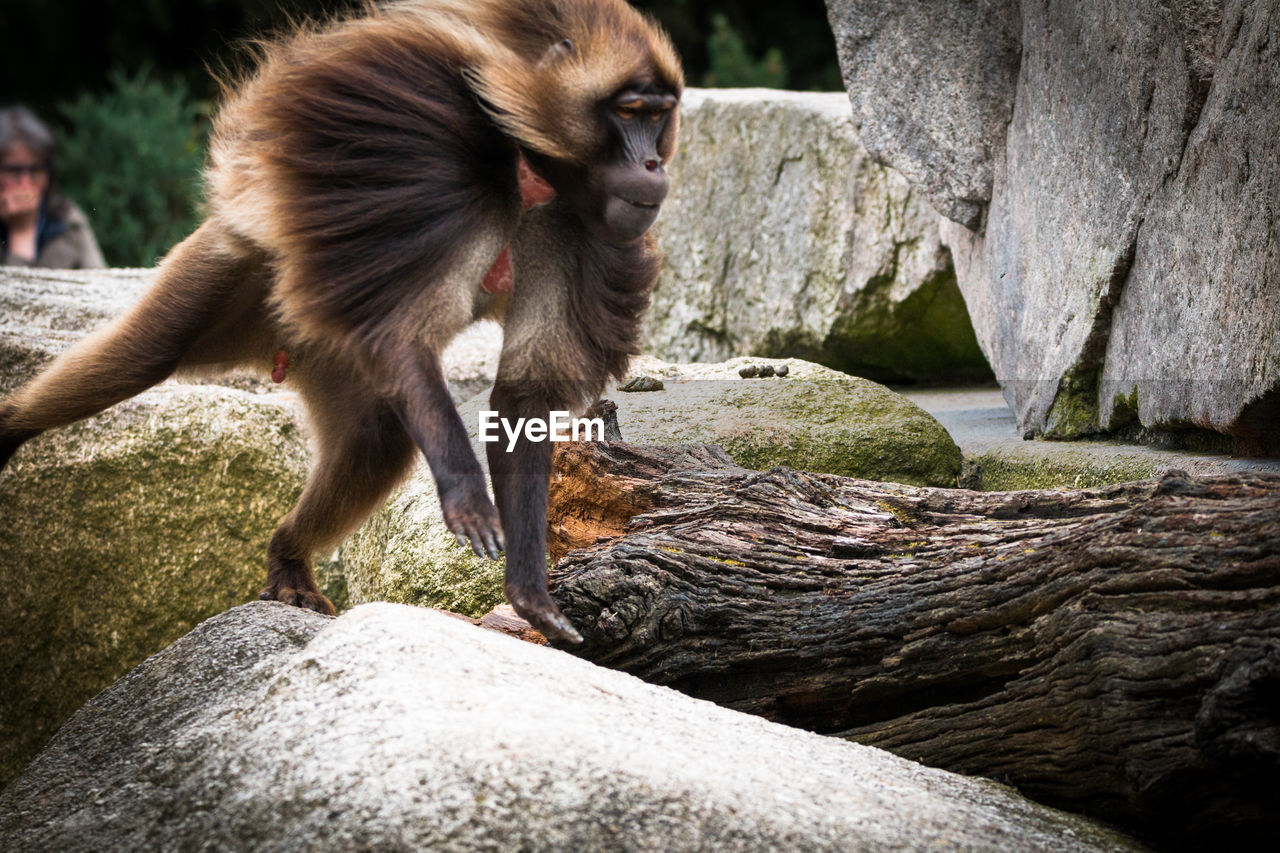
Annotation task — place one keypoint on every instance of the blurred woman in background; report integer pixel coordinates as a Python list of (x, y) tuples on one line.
[(38, 227)]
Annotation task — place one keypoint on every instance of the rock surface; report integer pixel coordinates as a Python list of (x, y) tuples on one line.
[(43, 312), (268, 728), (996, 458), (932, 86), (783, 237), (814, 419), (404, 553), (1195, 335), (121, 532), (1127, 268)]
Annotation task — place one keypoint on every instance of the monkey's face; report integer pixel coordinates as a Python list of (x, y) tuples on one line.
[(618, 195), (633, 178)]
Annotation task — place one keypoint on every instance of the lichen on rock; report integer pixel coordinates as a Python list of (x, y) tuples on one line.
[(816, 419), (123, 531)]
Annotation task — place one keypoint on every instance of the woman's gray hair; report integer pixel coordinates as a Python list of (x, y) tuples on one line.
[(19, 124)]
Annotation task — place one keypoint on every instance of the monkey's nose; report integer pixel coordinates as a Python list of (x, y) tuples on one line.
[(644, 189)]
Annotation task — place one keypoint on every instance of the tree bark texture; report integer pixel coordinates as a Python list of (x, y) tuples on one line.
[(1114, 651)]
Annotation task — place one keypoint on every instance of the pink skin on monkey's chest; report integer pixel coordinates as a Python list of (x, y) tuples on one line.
[(533, 190)]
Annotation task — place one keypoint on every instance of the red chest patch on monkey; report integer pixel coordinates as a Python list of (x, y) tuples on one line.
[(533, 190), (499, 277)]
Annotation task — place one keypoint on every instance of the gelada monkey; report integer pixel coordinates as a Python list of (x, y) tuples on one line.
[(362, 184)]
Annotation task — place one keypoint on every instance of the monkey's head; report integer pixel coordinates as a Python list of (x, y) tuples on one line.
[(631, 182), (593, 104)]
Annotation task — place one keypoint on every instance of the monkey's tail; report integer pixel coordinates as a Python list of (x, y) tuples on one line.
[(133, 352)]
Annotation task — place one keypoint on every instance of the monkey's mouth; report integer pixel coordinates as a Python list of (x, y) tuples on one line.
[(626, 219)]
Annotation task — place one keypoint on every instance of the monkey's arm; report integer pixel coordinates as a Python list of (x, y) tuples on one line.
[(421, 401), (537, 349), (572, 322)]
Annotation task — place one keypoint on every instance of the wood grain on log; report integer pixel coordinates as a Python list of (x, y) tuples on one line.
[(1114, 650), (504, 620)]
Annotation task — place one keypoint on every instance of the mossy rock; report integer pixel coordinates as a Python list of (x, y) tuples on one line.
[(405, 554), (1066, 468), (122, 532), (814, 419)]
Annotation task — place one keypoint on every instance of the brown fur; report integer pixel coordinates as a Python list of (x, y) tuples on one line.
[(361, 181)]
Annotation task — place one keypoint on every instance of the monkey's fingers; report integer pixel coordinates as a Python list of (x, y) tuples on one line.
[(494, 544), (544, 616), (486, 543), (474, 522)]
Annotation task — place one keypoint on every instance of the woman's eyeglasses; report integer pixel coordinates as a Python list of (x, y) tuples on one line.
[(13, 171)]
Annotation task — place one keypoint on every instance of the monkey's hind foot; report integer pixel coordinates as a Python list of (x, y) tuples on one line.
[(290, 580), (541, 612), (306, 599)]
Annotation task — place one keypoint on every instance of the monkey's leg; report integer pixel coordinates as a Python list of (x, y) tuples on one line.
[(134, 352), (364, 452)]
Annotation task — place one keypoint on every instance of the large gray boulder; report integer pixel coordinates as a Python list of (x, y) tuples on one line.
[(932, 85), (43, 312), (783, 237), (1126, 271), (393, 727), (1195, 335)]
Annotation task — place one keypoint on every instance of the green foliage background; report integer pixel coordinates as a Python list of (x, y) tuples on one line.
[(730, 63), (127, 85), (132, 159)]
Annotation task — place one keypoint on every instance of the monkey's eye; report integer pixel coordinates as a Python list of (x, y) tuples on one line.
[(626, 110)]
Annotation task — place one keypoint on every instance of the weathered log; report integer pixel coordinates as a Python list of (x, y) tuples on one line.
[(1114, 651), (504, 620)]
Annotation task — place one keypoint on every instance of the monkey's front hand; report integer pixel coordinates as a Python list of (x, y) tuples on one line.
[(537, 608), (471, 516)]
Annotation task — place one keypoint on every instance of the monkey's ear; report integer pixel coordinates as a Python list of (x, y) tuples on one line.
[(560, 49), (667, 141)]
